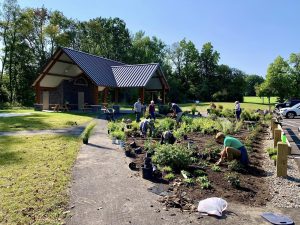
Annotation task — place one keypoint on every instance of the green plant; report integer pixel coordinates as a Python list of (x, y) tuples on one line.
[(272, 152), (204, 182), (200, 173), (238, 126), (228, 113), (169, 176), (167, 169), (233, 179), (194, 109), (206, 185), (189, 181), (235, 165), (216, 168), (176, 156), (87, 131), (274, 157), (220, 107), (226, 126), (120, 135)]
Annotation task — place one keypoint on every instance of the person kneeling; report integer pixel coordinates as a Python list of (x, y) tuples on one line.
[(233, 149), (167, 138)]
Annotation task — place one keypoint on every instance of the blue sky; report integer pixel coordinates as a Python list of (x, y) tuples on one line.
[(249, 34)]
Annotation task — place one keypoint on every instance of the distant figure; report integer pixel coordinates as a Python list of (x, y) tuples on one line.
[(152, 110), (233, 149), (212, 105), (238, 110), (145, 125), (138, 110), (167, 138), (176, 111), (109, 114)]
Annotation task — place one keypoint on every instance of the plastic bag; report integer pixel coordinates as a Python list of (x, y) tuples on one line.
[(212, 206)]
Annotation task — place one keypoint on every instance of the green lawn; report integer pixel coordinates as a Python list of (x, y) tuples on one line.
[(42, 120), (35, 172), (258, 100), (226, 105)]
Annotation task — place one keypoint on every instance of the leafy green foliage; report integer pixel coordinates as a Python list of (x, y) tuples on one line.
[(250, 116), (233, 179), (235, 165), (204, 182), (167, 169), (87, 131), (216, 168), (176, 156), (169, 176), (272, 151), (189, 181), (200, 173)]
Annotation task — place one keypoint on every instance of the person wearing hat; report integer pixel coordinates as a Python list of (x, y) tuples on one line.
[(233, 149), (238, 110)]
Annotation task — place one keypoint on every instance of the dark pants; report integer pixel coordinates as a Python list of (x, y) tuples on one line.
[(152, 115), (137, 116), (238, 114)]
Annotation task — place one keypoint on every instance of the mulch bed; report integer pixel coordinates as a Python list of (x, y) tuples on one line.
[(253, 188)]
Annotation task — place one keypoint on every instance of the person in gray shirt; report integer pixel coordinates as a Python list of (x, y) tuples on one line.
[(138, 109)]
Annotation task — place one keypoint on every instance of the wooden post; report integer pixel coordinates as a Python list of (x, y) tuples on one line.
[(104, 95), (95, 95), (116, 95), (142, 94), (277, 136), (163, 98), (281, 165), (37, 93), (273, 126)]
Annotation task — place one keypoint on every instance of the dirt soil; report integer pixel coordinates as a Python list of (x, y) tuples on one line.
[(253, 189)]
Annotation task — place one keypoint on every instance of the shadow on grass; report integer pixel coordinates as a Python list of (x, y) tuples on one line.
[(8, 155)]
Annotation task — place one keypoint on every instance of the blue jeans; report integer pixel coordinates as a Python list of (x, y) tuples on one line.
[(152, 115), (137, 116)]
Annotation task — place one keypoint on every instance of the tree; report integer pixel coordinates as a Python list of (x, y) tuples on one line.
[(295, 74), (208, 64), (251, 82), (264, 90), (278, 77)]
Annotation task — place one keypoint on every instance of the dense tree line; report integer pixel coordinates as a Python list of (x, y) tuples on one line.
[(29, 36)]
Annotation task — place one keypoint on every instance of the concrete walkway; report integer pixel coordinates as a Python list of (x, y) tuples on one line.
[(105, 191)]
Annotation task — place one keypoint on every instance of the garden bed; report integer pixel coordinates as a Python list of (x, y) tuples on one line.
[(251, 190)]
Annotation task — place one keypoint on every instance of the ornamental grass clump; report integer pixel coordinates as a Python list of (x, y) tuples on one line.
[(176, 156), (87, 132)]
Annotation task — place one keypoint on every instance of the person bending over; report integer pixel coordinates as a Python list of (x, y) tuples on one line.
[(167, 138), (233, 149), (145, 125), (176, 111)]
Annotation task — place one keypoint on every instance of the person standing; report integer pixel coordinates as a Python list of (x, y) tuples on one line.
[(238, 110), (138, 110), (152, 110)]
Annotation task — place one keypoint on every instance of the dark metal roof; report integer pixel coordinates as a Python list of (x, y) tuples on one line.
[(97, 68), (134, 75)]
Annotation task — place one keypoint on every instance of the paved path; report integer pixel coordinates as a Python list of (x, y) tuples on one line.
[(105, 191), (70, 131)]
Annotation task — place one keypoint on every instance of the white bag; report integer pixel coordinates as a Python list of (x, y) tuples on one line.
[(212, 206)]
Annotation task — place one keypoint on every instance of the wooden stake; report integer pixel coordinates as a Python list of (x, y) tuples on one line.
[(277, 136), (281, 165)]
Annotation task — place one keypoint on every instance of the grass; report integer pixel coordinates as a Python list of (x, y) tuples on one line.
[(42, 120), (258, 100), (34, 178)]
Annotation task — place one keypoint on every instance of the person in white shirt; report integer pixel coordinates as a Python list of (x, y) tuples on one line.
[(238, 110)]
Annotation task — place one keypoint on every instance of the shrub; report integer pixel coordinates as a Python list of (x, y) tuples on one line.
[(118, 134), (166, 124), (228, 113), (216, 168), (251, 116), (115, 126), (87, 131), (194, 109), (169, 176), (163, 109), (235, 165), (227, 126), (200, 173), (187, 120), (238, 126), (233, 179), (189, 181), (176, 156), (205, 125), (220, 107), (272, 152), (167, 169)]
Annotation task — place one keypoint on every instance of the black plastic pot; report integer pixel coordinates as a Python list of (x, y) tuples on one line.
[(148, 154), (133, 144), (85, 141), (138, 150), (147, 172), (147, 161), (185, 137), (128, 153)]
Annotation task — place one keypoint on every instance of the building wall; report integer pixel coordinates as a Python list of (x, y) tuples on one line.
[(67, 92)]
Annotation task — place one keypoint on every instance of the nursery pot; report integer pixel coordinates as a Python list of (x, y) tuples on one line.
[(148, 154), (85, 141), (128, 153), (133, 144), (185, 137), (138, 150), (122, 144), (147, 161), (147, 172)]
